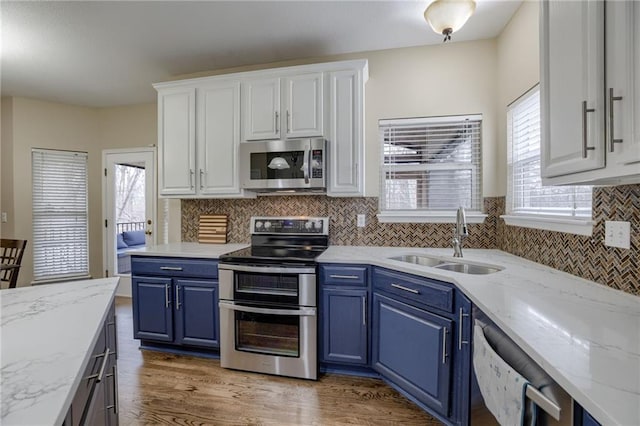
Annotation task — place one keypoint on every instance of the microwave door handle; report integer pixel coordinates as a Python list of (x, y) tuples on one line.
[(305, 165)]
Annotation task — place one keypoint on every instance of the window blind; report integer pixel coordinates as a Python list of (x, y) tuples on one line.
[(60, 214), (525, 193), (431, 163)]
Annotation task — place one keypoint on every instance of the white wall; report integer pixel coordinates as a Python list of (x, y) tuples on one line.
[(518, 71)]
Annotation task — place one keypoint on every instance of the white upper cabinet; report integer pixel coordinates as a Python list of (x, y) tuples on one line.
[(572, 86), (623, 83), (303, 107), (218, 107), (261, 109), (589, 117), (300, 115), (345, 140), (203, 121), (177, 140)]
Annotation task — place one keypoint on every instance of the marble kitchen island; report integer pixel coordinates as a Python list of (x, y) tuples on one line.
[(47, 335)]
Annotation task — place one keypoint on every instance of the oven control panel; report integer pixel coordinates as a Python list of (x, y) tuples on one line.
[(290, 225)]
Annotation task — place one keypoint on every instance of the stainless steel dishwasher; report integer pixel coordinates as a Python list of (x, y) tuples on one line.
[(555, 406)]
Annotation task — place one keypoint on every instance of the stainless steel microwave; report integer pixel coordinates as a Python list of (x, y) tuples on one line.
[(284, 165)]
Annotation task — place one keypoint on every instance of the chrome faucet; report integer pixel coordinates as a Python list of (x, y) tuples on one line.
[(460, 232)]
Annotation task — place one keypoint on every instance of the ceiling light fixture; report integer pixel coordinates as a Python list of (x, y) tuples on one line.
[(448, 16)]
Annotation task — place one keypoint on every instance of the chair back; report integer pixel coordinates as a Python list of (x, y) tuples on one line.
[(11, 252)]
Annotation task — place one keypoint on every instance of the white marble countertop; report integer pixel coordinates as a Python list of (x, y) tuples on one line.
[(47, 334), (197, 250), (585, 335)]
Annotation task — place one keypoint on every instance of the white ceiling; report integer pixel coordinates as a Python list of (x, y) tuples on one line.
[(102, 53)]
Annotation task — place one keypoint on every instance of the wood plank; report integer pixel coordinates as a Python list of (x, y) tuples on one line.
[(158, 388), (212, 229)]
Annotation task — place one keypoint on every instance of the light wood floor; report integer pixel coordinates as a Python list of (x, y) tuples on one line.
[(158, 388)]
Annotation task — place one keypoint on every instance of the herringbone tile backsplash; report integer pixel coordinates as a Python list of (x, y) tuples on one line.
[(586, 257)]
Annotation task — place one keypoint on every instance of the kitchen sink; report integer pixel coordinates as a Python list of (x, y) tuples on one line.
[(447, 265), (419, 260), (467, 268)]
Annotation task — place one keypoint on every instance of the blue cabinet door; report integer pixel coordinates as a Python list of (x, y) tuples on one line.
[(344, 322), (411, 348), (196, 309), (152, 309)]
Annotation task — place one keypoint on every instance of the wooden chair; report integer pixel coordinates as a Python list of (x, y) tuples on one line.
[(11, 252)]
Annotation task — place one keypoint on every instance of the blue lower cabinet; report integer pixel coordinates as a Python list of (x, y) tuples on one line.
[(152, 308), (411, 349), (175, 301), (196, 309), (344, 322)]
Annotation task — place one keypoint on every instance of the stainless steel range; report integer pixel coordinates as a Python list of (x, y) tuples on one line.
[(268, 298)]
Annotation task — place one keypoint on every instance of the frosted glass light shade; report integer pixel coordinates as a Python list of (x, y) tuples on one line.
[(448, 16)]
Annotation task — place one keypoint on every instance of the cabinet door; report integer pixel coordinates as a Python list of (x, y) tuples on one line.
[(196, 307), (96, 413), (346, 147), (344, 325), (411, 348), (152, 310), (218, 138), (177, 141), (572, 87), (304, 106), (111, 392), (623, 83), (261, 109)]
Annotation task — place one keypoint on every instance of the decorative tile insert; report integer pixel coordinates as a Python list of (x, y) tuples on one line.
[(586, 257)]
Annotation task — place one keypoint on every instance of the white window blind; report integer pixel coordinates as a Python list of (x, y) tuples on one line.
[(525, 193), (60, 214), (431, 164)]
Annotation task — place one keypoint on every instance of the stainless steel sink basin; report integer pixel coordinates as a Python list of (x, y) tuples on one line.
[(418, 260), (467, 268), (447, 265)]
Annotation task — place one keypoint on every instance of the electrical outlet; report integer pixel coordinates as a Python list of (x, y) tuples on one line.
[(4, 217), (617, 234), (361, 220)]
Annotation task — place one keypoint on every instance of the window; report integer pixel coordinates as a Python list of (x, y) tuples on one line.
[(525, 194), (60, 213), (430, 166)]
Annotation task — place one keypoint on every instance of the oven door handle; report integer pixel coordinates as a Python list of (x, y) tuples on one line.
[(302, 312), (266, 269)]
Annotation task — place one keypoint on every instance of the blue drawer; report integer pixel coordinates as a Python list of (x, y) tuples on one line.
[(418, 290), (343, 275), (174, 267)]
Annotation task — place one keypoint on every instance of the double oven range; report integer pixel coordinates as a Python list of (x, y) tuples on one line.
[(268, 298)]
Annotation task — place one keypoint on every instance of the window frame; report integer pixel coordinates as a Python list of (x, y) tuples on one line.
[(47, 211), (528, 218), (423, 215)]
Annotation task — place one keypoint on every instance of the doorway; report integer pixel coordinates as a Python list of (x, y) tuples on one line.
[(129, 200)]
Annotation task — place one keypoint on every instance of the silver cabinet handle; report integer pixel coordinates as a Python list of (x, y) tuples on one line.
[(115, 333), (460, 319), (444, 346), (401, 287), (364, 310), (191, 175), (344, 277), (585, 148), (612, 139), (115, 390), (178, 297), (277, 124), (100, 375), (170, 268), (288, 122), (166, 296), (201, 178)]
